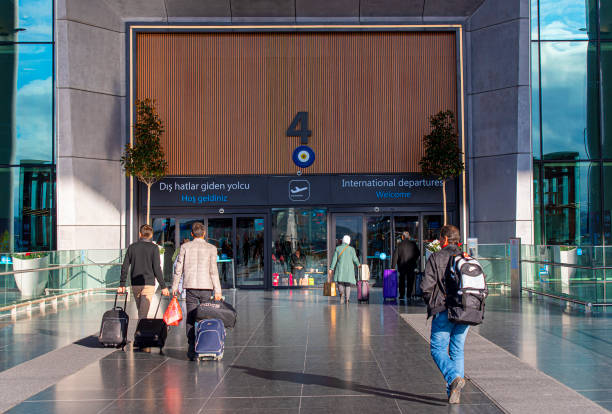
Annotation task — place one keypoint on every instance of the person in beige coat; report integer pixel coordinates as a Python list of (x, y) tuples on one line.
[(197, 265)]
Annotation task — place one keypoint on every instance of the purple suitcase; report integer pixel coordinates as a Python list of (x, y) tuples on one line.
[(390, 285), (363, 291)]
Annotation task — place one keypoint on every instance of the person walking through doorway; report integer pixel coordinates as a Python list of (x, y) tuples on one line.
[(196, 265), (447, 338), (343, 266), (143, 263), (405, 258)]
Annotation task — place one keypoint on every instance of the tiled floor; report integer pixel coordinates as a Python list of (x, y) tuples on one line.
[(291, 352)]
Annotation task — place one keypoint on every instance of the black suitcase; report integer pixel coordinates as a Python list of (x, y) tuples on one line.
[(113, 330), (217, 309), (151, 333)]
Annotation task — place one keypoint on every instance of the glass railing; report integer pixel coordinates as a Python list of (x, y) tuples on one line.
[(31, 276), (27, 277), (581, 274), (495, 260)]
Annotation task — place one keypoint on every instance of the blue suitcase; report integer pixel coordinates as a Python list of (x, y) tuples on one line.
[(390, 285), (210, 339)]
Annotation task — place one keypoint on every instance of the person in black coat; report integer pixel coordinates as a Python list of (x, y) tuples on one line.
[(405, 259)]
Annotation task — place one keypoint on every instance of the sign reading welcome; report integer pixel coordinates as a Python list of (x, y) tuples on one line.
[(305, 190)]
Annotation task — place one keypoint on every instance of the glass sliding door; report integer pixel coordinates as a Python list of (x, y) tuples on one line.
[(410, 224), (249, 261), (220, 234), (165, 237), (299, 246), (351, 225), (379, 239)]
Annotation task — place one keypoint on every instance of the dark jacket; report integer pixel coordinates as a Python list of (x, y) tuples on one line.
[(433, 283), (297, 261), (405, 256), (143, 259)]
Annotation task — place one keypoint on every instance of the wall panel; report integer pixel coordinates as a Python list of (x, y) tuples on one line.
[(228, 98)]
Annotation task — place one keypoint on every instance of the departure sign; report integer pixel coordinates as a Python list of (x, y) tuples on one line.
[(303, 156)]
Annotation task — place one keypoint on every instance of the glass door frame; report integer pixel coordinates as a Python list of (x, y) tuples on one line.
[(205, 215), (332, 237)]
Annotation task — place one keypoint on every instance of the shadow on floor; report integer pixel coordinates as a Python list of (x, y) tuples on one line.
[(326, 381), (90, 341)]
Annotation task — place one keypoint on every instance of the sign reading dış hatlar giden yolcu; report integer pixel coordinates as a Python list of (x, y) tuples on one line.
[(307, 190)]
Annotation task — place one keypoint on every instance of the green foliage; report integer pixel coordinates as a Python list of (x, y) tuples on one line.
[(442, 157), (30, 256), (567, 248), (145, 159)]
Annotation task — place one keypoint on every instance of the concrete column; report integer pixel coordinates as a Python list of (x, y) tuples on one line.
[(499, 132)]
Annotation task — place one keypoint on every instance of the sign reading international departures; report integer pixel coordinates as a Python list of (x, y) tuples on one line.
[(300, 190)]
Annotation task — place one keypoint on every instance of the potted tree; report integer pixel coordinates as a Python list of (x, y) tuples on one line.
[(443, 157), (145, 158), (31, 284)]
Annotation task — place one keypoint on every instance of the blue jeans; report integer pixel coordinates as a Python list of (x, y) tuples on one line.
[(447, 341)]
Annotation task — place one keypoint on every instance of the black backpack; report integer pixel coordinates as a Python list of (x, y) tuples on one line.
[(466, 290)]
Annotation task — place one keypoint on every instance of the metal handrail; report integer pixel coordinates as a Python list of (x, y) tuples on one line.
[(58, 267), (567, 265), (565, 298)]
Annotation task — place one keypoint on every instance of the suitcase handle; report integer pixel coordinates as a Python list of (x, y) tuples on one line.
[(124, 303)]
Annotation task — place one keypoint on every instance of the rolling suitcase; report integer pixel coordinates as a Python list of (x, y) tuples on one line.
[(363, 291), (210, 339), (113, 330), (151, 333), (418, 292), (390, 285)]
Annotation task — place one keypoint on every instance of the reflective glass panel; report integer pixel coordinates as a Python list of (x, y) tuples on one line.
[(571, 200), (568, 19), (299, 238), (537, 211), (26, 209), (606, 92), (379, 241), (570, 102), (26, 20), (26, 107), (185, 228), (605, 19), (535, 100), (350, 225), (164, 236), (607, 205), (249, 251), (534, 19), (219, 234)]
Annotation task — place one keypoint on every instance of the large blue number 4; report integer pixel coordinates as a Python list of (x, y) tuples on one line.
[(302, 119)]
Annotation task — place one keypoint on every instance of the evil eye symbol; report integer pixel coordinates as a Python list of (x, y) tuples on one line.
[(303, 156)]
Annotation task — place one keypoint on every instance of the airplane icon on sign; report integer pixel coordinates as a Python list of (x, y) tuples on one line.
[(298, 190)]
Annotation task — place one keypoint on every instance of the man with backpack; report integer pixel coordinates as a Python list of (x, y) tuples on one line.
[(454, 290)]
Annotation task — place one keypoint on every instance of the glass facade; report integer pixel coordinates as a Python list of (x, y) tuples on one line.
[(299, 255), (571, 53), (27, 166)]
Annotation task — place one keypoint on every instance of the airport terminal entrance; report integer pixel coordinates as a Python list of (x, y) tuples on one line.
[(239, 240), (375, 237)]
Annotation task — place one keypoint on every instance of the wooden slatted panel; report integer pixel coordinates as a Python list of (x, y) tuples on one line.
[(228, 98)]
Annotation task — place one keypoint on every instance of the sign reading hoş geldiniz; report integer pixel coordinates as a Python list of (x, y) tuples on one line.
[(301, 190)]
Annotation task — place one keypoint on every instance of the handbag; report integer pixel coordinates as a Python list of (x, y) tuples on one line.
[(217, 309), (329, 289), (173, 314)]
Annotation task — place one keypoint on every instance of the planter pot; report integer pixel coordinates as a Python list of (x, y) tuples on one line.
[(31, 284), (569, 257)]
